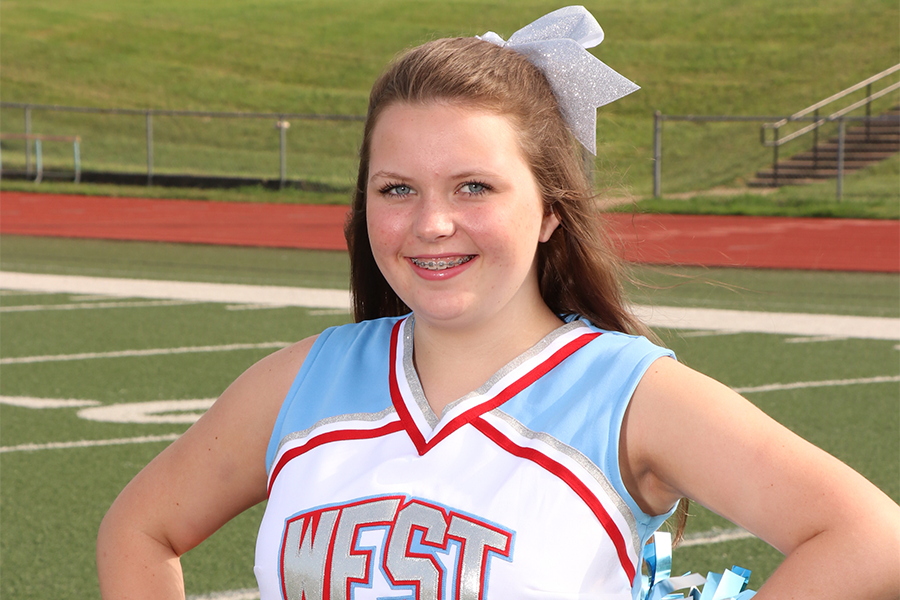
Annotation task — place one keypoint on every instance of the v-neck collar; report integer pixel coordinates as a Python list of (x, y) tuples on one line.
[(427, 429)]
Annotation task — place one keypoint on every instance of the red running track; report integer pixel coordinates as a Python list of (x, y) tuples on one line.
[(760, 242)]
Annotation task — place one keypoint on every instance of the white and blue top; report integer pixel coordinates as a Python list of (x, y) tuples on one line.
[(514, 491)]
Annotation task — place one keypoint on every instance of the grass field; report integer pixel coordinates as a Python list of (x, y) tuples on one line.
[(53, 498), (756, 57)]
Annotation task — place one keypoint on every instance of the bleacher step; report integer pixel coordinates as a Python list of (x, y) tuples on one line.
[(863, 146)]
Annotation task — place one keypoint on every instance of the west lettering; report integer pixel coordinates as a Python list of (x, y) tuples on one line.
[(440, 554)]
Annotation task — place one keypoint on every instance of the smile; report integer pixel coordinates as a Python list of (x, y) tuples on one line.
[(439, 264)]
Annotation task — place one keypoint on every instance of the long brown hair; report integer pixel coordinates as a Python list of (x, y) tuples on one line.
[(579, 272)]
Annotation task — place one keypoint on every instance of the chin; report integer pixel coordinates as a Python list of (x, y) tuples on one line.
[(451, 314)]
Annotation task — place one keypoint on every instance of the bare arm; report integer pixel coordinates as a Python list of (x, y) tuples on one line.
[(839, 533), (212, 473)]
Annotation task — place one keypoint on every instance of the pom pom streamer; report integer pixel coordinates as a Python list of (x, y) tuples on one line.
[(658, 585)]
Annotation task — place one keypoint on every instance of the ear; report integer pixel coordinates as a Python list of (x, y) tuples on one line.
[(548, 225)]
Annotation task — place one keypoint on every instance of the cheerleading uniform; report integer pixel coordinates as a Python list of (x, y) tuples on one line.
[(513, 492)]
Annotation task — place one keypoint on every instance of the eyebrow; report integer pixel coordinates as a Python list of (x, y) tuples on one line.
[(386, 175), (476, 173), (461, 175)]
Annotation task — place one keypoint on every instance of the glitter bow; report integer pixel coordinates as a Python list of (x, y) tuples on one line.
[(556, 44)]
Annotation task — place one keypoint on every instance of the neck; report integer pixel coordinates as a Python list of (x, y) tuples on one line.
[(453, 362)]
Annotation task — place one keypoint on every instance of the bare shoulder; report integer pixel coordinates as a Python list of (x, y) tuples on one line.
[(246, 411), (687, 435), (217, 468)]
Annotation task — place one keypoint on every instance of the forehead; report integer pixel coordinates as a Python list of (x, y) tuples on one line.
[(445, 130)]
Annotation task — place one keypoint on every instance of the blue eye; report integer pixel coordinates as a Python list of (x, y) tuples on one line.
[(396, 190), (474, 188)]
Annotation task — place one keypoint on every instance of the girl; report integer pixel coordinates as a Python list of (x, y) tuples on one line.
[(493, 426)]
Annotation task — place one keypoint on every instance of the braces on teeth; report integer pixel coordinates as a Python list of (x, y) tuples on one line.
[(440, 264)]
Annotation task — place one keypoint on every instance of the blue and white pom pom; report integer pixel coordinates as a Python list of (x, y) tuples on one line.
[(659, 585)]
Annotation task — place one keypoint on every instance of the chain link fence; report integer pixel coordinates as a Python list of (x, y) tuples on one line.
[(164, 146)]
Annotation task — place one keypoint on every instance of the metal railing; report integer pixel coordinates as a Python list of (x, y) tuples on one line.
[(659, 119), (281, 119), (817, 122), (39, 153)]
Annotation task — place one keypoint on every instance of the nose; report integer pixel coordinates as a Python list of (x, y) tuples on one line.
[(434, 218)]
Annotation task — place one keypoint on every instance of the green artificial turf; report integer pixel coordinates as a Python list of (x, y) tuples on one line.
[(51, 501)]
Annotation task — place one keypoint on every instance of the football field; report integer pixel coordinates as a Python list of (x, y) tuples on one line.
[(98, 374)]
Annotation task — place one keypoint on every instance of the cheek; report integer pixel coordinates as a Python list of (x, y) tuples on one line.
[(383, 227), (505, 239)]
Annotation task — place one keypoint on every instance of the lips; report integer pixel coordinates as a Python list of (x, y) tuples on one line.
[(440, 264)]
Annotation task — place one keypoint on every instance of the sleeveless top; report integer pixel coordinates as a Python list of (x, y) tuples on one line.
[(513, 492)]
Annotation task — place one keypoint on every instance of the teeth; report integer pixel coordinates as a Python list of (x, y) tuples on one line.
[(440, 264)]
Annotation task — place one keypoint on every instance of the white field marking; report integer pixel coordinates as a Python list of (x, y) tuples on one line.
[(87, 297), (873, 328), (813, 340), (693, 334), (90, 443), (798, 324), (714, 536), (245, 594), (89, 305), (324, 312), (178, 290), (161, 411), (41, 403), (775, 387), (252, 306), (148, 352), (158, 411)]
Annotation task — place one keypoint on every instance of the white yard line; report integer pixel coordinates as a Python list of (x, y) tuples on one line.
[(147, 352), (872, 328), (796, 324), (813, 340), (693, 334), (775, 387), (88, 305), (44, 403), (228, 293), (90, 443), (714, 536)]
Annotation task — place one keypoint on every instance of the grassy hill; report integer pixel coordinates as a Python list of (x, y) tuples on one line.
[(699, 56)]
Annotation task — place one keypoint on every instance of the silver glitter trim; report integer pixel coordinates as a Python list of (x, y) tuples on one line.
[(412, 377), (584, 462), (518, 361), (367, 417), (415, 386)]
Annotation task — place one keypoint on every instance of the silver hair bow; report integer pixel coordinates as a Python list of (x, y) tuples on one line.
[(556, 44)]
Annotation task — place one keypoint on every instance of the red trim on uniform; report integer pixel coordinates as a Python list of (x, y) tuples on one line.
[(333, 436), (514, 388), (397, 398), (476, 411), (571, 480)]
